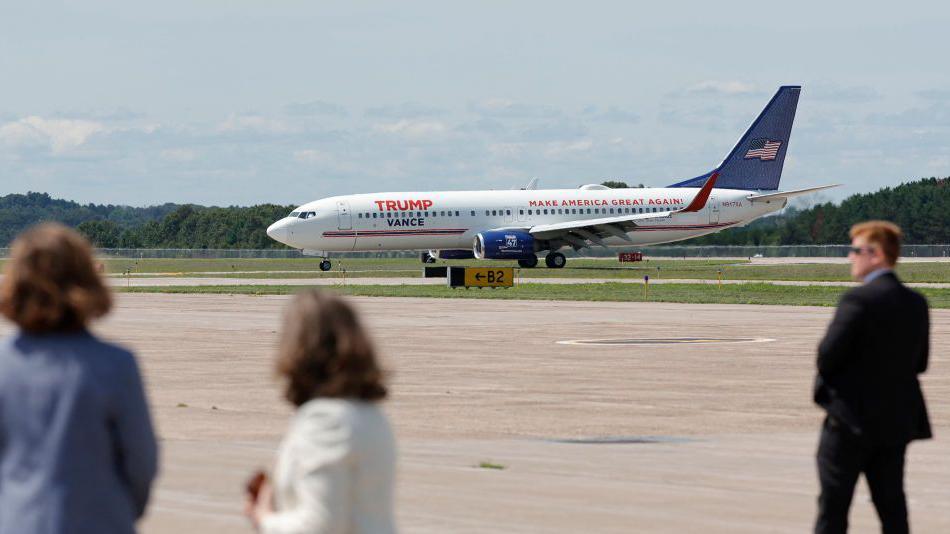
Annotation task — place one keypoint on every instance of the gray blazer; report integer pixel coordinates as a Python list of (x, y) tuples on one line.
[(77, 450)]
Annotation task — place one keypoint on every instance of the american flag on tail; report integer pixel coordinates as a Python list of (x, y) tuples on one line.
[(763, 149)]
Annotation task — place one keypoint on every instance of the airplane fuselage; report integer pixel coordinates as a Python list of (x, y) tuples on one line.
[(517, 224), (452, 219)]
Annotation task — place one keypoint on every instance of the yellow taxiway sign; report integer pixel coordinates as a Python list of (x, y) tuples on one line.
[(489, 277)]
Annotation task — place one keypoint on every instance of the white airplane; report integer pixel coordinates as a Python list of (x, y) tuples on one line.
[(518, 224)]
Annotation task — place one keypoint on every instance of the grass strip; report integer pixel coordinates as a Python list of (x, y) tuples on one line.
[(702, 269), (607, 292)]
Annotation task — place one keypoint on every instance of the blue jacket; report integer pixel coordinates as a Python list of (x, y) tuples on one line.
[(77, 450)]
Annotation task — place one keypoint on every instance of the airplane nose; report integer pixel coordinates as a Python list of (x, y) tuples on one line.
[(278, 231)]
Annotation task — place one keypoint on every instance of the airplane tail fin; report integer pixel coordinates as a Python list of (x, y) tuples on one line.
[(756, 162)]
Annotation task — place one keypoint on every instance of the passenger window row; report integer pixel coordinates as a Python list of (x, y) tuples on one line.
[(409, 214), (505, 212), (595, 211)]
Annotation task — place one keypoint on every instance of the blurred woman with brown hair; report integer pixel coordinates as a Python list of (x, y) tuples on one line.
[(77, 450), (335, 467)]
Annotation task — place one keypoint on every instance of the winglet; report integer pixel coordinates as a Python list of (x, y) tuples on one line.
[(699, 201)]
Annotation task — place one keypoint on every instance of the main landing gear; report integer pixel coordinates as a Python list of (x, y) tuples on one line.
[(325, 265), (555, 260), (427, 258), (528, 263)]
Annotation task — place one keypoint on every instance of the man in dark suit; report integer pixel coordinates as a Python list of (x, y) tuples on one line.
[(867, 383)]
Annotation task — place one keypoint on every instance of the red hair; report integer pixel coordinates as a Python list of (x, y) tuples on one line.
[(883, 234)]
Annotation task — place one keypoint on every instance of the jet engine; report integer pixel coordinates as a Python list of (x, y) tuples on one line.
[(504, 245)]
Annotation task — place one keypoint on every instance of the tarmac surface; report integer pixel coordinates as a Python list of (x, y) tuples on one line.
[(688, 436), (168, 281)]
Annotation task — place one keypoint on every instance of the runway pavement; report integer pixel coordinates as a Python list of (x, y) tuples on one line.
[(715, 437), (168, 281)]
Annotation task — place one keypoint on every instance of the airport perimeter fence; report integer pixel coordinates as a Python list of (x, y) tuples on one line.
[(661, 251)]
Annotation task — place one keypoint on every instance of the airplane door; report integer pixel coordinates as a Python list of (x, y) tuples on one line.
[(344, 220), (522, 214), (509, 215), (713, 210)]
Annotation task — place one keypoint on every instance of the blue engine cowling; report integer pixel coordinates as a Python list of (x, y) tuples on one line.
[(452, 254), (504, 245)]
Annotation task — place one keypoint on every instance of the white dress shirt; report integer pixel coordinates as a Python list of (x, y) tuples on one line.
[(877, 273), (335, 471)]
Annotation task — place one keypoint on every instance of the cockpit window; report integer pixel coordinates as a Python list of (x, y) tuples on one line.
[(294, 214), (307, 214)]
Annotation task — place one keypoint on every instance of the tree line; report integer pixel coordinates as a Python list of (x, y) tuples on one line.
[(18, 212), (921, 208), (192, 227), (164, 226)]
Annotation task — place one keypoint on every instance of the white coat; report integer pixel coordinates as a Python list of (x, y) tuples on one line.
[(335, 471)]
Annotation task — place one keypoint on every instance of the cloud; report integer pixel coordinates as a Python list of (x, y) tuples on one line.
[(720, 88), (934, 94), (236, 123), (411, 128), (406, 110), (508, 150), (554, 150), (182, 155), (835, 93), (315, 108), (712, 118), (113, 115), (612, 114), (934, 115), (559, 130), (939, 164), (503, 108), (249, 157), (560, 150), (312, 156), (61, 135), (486, 125)]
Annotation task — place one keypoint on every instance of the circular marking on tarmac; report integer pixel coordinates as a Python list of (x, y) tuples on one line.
[(665, 341)]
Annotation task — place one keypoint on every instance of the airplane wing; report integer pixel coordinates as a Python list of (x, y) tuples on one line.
[(575, 233), (788, 194)]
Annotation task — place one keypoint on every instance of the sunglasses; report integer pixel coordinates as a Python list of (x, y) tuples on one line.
[(857, 251)]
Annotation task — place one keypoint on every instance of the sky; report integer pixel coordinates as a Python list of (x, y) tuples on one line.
[(248, 102)]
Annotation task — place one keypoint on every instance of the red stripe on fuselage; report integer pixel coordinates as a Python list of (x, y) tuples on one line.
[(395, 233)]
